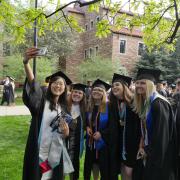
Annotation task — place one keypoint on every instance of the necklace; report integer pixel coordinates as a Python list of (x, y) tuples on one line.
[(122, 113)]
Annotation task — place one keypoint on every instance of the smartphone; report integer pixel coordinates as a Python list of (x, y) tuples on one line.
[(42, 51)]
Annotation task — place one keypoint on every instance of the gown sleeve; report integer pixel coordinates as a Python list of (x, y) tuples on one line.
[(32, 96), (160, 132)]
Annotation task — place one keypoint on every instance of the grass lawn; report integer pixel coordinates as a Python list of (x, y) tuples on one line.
[(13, 135)]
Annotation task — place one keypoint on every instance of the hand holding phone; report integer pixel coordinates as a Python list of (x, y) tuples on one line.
[(42, 51)]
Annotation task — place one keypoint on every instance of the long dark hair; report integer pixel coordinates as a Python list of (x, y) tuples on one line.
[(82, 104), (126, 97), (62, 98)]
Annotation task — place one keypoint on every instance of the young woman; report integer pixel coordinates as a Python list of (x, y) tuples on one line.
[(96, 155), (76, 107), (157, 127), (46, 156), (124, 129)]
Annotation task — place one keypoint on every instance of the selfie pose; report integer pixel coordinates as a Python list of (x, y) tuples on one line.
[(46, 156), (157, 127)]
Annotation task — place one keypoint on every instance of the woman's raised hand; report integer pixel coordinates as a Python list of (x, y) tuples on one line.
[(30, 53)]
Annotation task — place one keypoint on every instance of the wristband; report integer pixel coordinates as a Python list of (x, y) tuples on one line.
[(25, 61)]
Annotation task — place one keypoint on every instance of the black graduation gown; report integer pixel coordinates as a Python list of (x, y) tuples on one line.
[(91, 158), (74, 145), (176, 109), (33, 98), (161, 151), (113, 137), (8, 94)]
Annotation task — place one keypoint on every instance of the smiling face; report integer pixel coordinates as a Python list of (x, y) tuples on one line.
[(141, 87), (97, 93), (77, 95), (58, 87), (117, 90)]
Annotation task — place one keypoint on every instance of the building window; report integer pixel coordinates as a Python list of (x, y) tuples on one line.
[(96, 50), (97, 19), (141, 49), (122, 46), (86, 54), (6, 49), (91, 52), (86, 27), (92, 24)]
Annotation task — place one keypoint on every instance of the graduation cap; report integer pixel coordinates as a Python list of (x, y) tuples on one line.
[(60, 74), (101, 84), (150, 74), (11, 78), (121, 78), (79, 86), (173, 86)]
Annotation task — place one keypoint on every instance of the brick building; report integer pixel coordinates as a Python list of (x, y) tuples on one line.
[(123, 45)]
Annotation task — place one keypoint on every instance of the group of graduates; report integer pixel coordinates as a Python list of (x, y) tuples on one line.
[(125, 133)]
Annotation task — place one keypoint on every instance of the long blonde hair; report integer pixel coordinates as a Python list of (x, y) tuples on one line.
[(141, 105), (102, 107)]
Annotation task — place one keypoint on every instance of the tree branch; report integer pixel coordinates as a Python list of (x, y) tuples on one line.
[(66, 19), (81, 4), (176, 10), (162, 15), (173, 36)]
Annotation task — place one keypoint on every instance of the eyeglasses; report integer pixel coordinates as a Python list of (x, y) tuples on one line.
[(57, 83)]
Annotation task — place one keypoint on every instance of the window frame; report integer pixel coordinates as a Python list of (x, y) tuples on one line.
[(122, 39)]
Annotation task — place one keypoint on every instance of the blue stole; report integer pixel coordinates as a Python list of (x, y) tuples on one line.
[(154, 96), (81, 139), (103, 119)]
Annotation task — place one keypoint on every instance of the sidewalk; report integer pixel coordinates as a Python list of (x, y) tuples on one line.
[(14, 110)]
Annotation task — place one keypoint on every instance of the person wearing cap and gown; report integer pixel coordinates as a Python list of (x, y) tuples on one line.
[(76, 107), (8, 91), (46, 156), (157, 127), (123, 131), (96, 154)]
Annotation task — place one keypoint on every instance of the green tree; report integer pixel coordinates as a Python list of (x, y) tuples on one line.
[(13, 66), (168, 63), (94, 68), (160, 19)]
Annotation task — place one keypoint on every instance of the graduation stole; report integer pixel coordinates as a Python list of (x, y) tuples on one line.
[(147, 126), (81, 138), (122, 122), (99, 144)]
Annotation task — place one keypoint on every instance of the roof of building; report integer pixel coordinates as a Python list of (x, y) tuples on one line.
[(70, 9), (122, 11), (126, 31)]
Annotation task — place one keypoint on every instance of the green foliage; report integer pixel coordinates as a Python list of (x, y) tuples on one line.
[(168, 63), (158, 19), (14, 67), (99, 68)]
